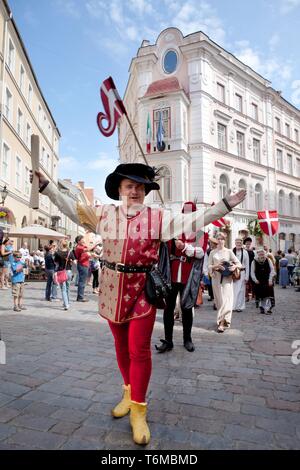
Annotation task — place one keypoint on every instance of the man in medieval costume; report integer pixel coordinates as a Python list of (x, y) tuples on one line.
[(183, 254), (131, 234)]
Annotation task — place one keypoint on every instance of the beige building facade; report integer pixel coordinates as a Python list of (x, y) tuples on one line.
[(225, 127), (24, 111)]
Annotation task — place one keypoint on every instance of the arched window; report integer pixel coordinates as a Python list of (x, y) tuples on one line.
[(291, 204), (281, 201), (24, 221), (223, 186), (242, 185), (258, 197), (165, 182)]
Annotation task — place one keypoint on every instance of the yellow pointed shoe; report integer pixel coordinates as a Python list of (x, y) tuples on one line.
[(140, 429), (122, 408)]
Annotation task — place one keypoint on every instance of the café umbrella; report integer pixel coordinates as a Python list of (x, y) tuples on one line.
[(38, 232)]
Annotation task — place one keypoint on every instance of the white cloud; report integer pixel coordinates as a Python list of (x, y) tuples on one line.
[(69, 8), (274, 41), (68, 162), (295, 97), (270, 67), (193, 16), (287, 6), (103, 162)]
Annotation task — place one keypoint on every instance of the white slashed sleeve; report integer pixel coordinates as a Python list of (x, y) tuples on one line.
[(193, 251), (174, 226), (80, 214)]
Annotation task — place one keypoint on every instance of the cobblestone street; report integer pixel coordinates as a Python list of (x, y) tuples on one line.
[(238, 390)]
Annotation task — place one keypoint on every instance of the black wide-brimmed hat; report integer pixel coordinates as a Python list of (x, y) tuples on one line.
[(138, 172)]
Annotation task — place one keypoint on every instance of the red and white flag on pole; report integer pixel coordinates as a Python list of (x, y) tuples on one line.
[(268, 221), (220, 222), (113, 107)]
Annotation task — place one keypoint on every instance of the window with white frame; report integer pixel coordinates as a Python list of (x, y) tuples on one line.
[(20, 123), (281, 201), (242, 185), (239, 102), (43, 156), (222, 140), (254, 111), (223, 186), (22, 78), (5, 162), (290, 163), (165, 183), (166, 119), (28, 136), (256, 150), (296, 136), (240, 142), (221, 92), (291, 204), (48, 166), (287, 130), (18, 172), (279, 160), (11, 55), (8, 105), (258, 197), (54, 172), (39, 114), (29, 95), (277, 125), (27, 181), (298, 167)]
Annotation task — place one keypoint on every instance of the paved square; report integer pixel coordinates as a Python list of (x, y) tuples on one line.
[(238, 390)]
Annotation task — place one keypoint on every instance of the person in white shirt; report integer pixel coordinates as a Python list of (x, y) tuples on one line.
[(239, 286)]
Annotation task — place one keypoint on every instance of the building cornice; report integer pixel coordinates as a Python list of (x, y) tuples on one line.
[(171, 94)]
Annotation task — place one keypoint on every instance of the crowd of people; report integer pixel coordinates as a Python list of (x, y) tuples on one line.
[(80, 263)]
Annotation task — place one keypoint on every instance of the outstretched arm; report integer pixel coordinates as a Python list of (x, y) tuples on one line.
[(173, 227), (79, 213)]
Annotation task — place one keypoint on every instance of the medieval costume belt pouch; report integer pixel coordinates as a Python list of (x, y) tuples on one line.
[(157, 288), (127, 268)]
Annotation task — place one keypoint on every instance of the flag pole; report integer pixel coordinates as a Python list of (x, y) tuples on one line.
[(142, 152)]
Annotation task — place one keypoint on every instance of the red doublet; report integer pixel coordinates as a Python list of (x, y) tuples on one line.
[(186, 266), (122, 295)]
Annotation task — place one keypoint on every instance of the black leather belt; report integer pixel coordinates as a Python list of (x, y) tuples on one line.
[(183, 259), (127, 268)]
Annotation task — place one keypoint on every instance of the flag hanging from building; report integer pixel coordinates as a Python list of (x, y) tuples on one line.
[(268, 221), (113, 107), (148, 134), (220, 222), (160, 133)]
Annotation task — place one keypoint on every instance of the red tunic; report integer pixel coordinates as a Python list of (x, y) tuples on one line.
[(122, 295)]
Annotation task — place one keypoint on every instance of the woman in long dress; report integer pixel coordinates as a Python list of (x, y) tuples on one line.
[(239, 286), (262, 273), (222, 281), (283, 272)]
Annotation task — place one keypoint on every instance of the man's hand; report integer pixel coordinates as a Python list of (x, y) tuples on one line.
[(42, 179), (179, 244), (235, 199)]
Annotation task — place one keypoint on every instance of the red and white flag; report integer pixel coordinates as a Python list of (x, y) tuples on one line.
[(268, 221), (113, 107), (148, 135), (220, 222)]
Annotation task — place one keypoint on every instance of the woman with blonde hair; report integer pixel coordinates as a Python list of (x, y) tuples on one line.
[(221, 264)]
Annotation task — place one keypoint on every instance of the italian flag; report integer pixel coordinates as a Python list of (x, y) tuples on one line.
[(148, 134)]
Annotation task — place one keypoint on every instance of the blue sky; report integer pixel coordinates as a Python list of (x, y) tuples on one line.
[(75, 44)]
